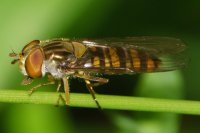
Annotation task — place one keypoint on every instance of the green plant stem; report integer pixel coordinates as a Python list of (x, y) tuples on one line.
[(106, 101)]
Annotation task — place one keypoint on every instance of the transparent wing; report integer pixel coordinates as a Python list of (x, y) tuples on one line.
[(166, 53), (156, 45)]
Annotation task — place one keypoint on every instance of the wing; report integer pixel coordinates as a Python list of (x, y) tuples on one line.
[(156, 45), (132, 55)]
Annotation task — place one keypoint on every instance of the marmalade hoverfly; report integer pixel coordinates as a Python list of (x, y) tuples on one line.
[(62, 58)]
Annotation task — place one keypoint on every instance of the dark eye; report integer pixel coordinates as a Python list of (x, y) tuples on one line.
[(33, 63)]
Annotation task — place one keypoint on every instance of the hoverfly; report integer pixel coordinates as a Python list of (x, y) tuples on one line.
[(63, 58)]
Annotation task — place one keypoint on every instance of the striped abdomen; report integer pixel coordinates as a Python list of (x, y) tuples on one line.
[(123, 58)]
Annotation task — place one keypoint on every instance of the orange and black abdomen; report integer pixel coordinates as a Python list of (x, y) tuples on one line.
[(119, 58)]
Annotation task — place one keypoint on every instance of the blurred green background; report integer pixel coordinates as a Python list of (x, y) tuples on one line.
[(22, 21)]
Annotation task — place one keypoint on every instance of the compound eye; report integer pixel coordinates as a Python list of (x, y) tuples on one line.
[(33, 63)]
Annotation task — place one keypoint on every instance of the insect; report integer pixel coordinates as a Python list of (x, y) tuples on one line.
[(82, 58)]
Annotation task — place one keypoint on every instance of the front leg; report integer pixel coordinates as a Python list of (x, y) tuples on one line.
[(51, 82)]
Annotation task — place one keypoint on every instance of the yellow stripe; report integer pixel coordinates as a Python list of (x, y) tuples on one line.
[(106, 59), (136, 59), (93, 49), (137, 63), (107, 63), (128, 62), (150, 65), (114, 57), (96, 61)]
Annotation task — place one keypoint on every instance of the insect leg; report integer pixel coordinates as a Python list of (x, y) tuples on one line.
[(59, 86), (51, 82), (98, 84), (66, 88), (60, 97), (27, 81), (92, 92), (92, 78)]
